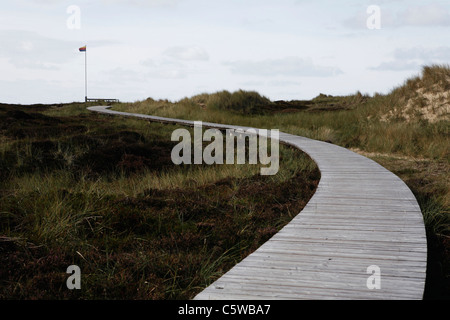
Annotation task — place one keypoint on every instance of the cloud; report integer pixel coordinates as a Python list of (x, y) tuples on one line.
[(29, 91), (45, 2), (165, 69), (30, 50), (439, 53), (427, 15), (187, 53), (414, 58), (124, 75), (147, 3), (26, 49), (175, 62), (396, 65), (23, 63), (167, 74), (289, 66), (430, 15), (283, 83)]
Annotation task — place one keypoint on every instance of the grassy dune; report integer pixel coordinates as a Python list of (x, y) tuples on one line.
[(406, 131), (412, 120)]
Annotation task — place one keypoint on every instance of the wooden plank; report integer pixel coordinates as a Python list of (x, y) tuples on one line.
[(361, 214)]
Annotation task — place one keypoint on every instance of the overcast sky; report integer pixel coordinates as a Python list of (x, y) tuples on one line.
[(284, 49)]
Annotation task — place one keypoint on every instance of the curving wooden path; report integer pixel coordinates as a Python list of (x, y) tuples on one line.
[(361, 215)]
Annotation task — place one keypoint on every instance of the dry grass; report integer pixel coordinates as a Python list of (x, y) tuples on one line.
[(422, 98), (102, 193)]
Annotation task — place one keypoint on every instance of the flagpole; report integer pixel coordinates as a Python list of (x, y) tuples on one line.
[(85, 75)]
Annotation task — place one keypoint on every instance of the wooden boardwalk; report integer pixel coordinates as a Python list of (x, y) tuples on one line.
[(361, 215)]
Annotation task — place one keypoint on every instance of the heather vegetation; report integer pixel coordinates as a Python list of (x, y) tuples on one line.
[(79, 188)]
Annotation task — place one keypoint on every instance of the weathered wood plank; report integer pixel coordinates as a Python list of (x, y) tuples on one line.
[(361, 215)]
